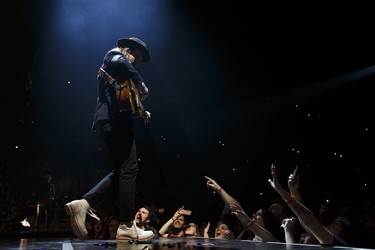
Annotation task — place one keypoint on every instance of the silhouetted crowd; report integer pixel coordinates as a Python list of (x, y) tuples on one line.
[(38, 196)]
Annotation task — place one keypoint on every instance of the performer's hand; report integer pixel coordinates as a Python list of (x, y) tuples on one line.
[(143, 90), (147, 116)]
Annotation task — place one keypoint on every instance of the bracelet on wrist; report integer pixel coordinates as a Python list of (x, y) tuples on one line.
[(296, 195), (173, 219), (219, 189)]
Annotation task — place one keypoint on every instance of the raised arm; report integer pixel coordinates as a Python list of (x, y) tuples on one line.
[(293, 185), (206, 230), (306, 217), (167, 225), (249, 223), (236, 209), (229, 200), (289, 225)]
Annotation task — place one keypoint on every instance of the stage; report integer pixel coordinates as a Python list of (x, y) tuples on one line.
[(154, 244)]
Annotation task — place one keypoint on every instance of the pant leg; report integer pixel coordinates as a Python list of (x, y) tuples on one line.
[(127, 185), (124, 153), (118, 136), (95, 194)]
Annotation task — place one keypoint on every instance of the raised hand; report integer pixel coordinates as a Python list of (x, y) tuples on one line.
[(288, 224), (241, 214), (275, 183), (293, 182), (211, 183), (206, 230)]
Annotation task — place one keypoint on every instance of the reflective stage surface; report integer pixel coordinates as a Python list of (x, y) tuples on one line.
[(154, 244)]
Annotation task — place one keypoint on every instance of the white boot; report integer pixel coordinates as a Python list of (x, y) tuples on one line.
[(125, 233), (77, 211)]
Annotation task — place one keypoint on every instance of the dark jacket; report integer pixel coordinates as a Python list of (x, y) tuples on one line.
[(116, 65)]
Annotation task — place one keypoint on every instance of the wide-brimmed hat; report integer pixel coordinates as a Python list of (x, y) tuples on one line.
[(135, 43)]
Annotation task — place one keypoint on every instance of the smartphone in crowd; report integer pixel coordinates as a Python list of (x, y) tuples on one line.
[(185, 212)]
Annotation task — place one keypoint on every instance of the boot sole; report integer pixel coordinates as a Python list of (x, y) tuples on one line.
[(76, 229)]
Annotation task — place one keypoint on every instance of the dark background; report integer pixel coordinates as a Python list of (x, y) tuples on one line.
[(234, 88)]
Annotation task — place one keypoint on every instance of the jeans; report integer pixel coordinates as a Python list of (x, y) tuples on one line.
[(118, 136)]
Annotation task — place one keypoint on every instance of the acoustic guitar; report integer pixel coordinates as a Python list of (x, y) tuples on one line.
[(129, 100)]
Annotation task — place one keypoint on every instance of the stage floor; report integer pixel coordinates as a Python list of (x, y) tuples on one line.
[(154, 244)]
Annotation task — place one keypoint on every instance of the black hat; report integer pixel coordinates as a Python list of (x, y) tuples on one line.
[(135, 43)]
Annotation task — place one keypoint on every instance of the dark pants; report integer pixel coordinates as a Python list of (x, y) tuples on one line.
[(118, 136)]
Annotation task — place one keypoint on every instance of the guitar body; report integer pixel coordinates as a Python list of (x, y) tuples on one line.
[(129, 100)]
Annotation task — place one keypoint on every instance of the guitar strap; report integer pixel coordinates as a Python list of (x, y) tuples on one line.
[(108, 77)]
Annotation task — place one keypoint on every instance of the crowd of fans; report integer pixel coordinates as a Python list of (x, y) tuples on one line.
[(38, 194)]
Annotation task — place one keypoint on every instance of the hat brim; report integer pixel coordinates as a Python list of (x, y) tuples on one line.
[(128, 43)]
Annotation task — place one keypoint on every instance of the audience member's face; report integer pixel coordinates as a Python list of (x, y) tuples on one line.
[(220, 231), (278, 210), (191, 230), (258, 217), (180, 222), (112, 228), (142, 216), (98, 226)]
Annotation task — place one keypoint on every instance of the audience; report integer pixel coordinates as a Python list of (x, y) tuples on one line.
[(174, 227), (332, 235), (99, 230), (350, 222), (256, 224), (90, 228), (143, 219), (221, 231), (112, 224), (191, 230)]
